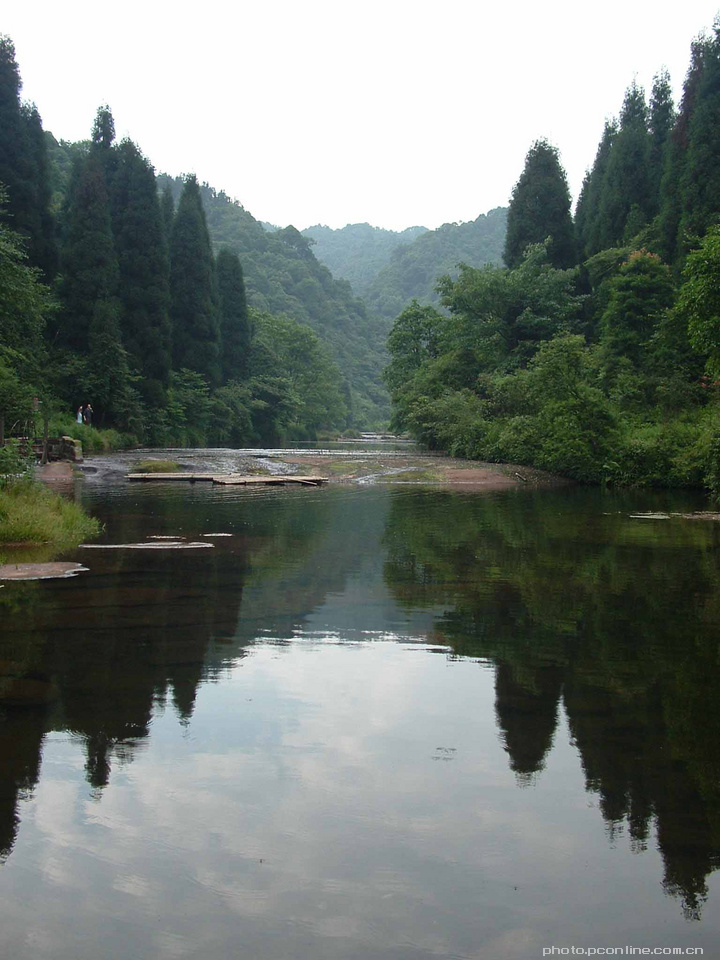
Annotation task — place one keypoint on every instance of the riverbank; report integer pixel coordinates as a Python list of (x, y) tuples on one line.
[(421, 468), (33, 514), (375, 465)]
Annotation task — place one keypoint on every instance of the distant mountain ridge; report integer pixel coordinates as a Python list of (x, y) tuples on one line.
[(413, 269), (358, 251), (389, 268)]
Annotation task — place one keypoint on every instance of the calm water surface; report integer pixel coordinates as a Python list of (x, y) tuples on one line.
[(375, 722)]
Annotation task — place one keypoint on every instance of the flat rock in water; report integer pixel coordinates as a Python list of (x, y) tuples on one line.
[(155, 545), (40, 571), (649, 516)]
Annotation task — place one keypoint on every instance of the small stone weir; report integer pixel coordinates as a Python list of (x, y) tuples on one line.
[(230, 480)]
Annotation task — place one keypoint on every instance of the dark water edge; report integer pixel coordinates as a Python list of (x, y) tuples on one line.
[(372, 723)]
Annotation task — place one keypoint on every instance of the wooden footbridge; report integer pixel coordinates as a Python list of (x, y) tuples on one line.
[(231, 479)]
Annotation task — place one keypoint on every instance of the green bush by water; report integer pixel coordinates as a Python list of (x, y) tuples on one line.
[(29, 513), (156, 466), (92, 439)]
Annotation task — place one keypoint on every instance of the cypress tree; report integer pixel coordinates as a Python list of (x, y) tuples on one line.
[(194, 314), (671, 202), (106, 378), (42, 245), (234, 320), (92, 311), (700, 182), (626, 185), (11, 130), (23, 166), (167, 212), (102, 142), (540, 208), (588, 219), (88, 260), (662, 120), (143, 263)]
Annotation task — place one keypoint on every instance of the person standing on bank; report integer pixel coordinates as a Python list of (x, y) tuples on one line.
[(88, 415), (79, 414)]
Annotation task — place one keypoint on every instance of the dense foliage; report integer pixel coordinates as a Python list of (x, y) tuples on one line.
[(414, 268), (116, 295), (594, 353), (282, 276), (358, 251), (390, 269)]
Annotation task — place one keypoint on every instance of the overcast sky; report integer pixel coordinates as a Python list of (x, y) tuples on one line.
[(394, 112)]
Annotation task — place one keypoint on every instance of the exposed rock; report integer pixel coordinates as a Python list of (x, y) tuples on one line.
[(40, 571), (162, 545)]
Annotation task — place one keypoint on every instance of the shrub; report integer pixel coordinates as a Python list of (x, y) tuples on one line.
[(31, 514)]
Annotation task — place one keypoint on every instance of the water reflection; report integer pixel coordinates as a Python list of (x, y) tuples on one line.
[(614, 621), (232, 737)]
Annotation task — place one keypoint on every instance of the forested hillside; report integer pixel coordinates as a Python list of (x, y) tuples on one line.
[(283, 275), (115, 295), (595, 350), (358, 252), (413, 269)]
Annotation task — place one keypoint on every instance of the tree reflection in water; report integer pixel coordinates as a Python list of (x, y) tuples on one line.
[(613, 621)]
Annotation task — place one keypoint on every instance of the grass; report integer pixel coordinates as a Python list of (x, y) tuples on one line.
[(92, 439), (30, 514), (157, 466)]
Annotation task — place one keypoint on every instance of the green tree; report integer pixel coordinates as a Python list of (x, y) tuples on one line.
[(700, 180), (24, 167), (25, 305), (234, 319), (167, 210), (193, 291), (592, 235), (671, 187), (626, 191), (639, 296), (540, 209), (144, 289), (296, 386), (103, 131), (699, 298), (106, 379), (500, 317), (573, 430), (88, 258), (414, 339), (662, 120)]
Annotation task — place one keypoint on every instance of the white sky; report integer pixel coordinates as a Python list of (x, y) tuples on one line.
[(394, 112)]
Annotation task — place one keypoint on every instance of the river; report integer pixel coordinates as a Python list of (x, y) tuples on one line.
[(371, 721)]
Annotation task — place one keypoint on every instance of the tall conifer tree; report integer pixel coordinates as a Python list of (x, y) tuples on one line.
[(700, 180), (588, 222), (626, 196), (42, 243), (670, 192), (662, 120), (144, 290), (540, 208), (23, 167), (88, 259), (194, 313), (167, 211), (234, 320)]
